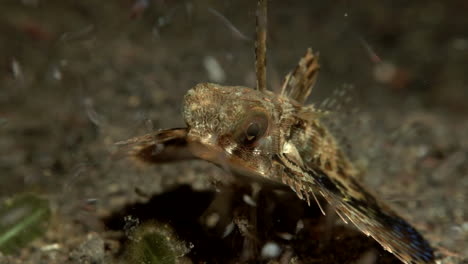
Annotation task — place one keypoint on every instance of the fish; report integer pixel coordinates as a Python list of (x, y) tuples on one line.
[(276, 138)]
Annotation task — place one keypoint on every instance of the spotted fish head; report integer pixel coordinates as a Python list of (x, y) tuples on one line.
[(232, 126)]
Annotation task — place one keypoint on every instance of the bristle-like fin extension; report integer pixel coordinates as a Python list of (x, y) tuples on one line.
[(317, 201), (260, 45), (298, 84)]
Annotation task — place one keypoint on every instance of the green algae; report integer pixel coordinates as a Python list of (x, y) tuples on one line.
[(23, 218), (153, 243)]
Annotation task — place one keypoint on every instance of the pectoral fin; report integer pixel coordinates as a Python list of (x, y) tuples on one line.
[(161, 146), (369, 215)]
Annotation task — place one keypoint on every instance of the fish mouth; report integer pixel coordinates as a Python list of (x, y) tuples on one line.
[(206, 148)]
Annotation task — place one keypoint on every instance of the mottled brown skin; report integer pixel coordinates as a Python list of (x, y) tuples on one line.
[(275, 138), (292, 148)]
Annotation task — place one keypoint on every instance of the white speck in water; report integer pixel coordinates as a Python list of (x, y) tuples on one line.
[(299, 226), (271, 250), (16, 69), (248, 200), (56, 74), (228, 230), (215, 72)]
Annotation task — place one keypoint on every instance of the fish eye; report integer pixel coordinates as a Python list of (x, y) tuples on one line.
[(252, 131), (253, 128)]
